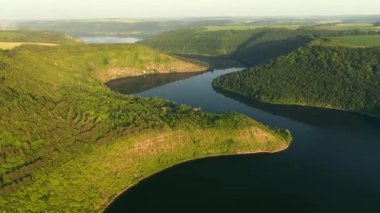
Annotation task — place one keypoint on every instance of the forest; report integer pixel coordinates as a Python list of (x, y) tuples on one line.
[(320, 74), (250, 46), (57, 119)]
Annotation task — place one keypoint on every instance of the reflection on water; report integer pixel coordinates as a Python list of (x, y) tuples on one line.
[(331, 166), (308, 115), (136, 84)]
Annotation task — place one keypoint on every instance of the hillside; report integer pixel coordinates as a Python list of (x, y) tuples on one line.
[(358, 41), (32, 36), (13, 39), (122, 27), (321, 74), (199, 41), (68, 143), (248, 45)]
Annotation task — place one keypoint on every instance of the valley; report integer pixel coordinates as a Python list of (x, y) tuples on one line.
[(88, 124)]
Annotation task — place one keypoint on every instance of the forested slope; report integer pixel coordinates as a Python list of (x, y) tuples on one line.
[(68, 143), (320, 74), (250, 46)]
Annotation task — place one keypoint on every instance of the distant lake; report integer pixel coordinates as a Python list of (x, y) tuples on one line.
[(108, 39), (332, 166)]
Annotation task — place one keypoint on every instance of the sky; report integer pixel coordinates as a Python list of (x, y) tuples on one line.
[(82, 9)]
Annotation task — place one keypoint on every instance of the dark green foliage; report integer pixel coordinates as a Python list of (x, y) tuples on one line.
[(377, 24), (316, 75), (267, 44), (51, 103), (68, 143), (249, 46), (200, 42)]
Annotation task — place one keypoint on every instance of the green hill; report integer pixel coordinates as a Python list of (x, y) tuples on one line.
[(37, 37), (248, 45), (358, 41), (321, 74), (199, 41), (68, 143)]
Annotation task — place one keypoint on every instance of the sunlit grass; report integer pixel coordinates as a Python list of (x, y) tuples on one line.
[(11, 45), (358, 41)]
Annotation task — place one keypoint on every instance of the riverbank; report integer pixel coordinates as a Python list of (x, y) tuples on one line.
[(69, 143), (281, 147), (247, 99), (322, 153), (185, 146)]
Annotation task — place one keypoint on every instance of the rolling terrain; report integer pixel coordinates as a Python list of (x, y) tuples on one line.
[(321, 74), (68, 143), (250, 45)]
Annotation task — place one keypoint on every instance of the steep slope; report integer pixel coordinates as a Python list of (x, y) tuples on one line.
[(321, 74), (250, 46), (199, 41), (68, 143)]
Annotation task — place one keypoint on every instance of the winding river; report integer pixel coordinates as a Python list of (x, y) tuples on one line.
[(333, 164)]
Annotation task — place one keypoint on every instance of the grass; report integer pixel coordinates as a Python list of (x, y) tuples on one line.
[(11, 45), (229, 27), (248, 27), (31, 36), (358, 41), (348, 26), (68, 143)]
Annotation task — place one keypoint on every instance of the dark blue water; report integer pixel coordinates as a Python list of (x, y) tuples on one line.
[(333, 164)]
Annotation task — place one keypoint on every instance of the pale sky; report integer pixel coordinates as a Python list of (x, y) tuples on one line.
[(76, 9)]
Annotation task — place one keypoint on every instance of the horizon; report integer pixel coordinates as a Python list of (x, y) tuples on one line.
[(178, 9), (163, 18)]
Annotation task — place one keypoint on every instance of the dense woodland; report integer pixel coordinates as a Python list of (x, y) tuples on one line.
[(249, 46), (317, 75), (57, 119)]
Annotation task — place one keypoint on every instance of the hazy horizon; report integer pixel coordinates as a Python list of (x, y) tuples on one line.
[(146, 9)]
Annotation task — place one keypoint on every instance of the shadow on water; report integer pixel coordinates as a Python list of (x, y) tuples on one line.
[(309, 115), (136, 84), (331, 166)]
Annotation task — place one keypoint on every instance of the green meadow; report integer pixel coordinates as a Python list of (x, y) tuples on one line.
[(358, 41)]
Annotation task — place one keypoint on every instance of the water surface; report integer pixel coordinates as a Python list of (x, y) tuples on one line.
[(333, 164), (108, 39)]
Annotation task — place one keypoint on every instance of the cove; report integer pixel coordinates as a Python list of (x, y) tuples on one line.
[(331, 166)]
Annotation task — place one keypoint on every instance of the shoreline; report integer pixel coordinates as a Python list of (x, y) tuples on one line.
[(116, 197), (230, 93)]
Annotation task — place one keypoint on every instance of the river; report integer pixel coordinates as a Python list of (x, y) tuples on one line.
[(333, 164), (108, 39)]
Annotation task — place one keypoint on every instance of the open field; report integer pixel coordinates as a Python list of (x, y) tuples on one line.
[(11, 45), (358, 41), (229, 27), (248, 27), (340, 26)]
